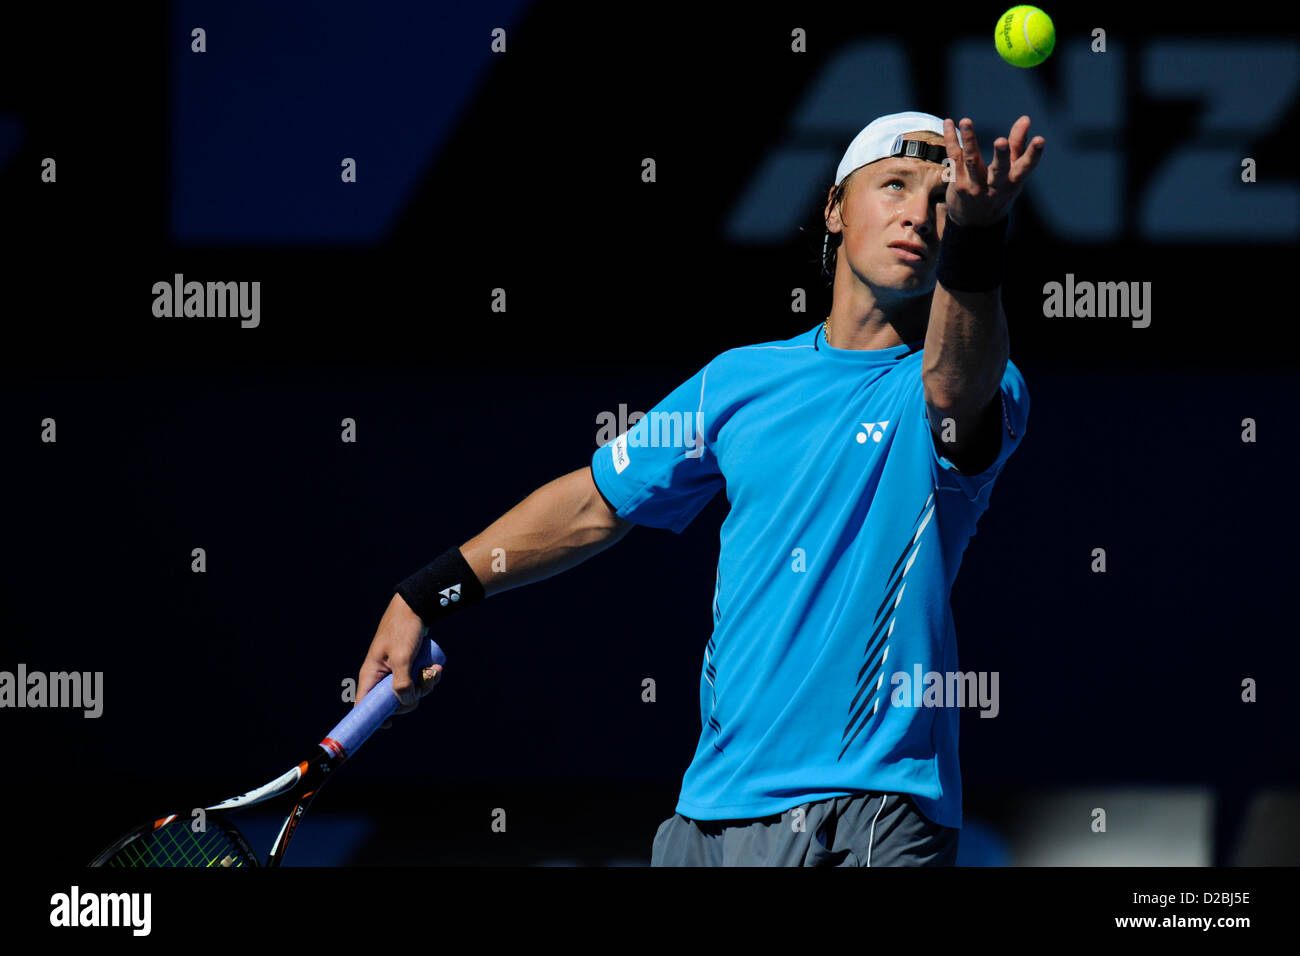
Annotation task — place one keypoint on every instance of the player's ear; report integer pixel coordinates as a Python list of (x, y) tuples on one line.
[(832, 214)]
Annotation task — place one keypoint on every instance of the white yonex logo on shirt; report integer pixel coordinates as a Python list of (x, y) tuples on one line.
[(871, 430), (450, 594)]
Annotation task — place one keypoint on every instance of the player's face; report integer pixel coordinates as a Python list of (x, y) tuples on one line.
[(890, 202)]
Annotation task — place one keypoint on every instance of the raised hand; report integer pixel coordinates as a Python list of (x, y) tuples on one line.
[(979, 195)]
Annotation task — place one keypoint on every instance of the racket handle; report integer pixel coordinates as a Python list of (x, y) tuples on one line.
[(377, 706)]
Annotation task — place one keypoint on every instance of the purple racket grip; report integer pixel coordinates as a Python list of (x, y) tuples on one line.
[(376, 707)]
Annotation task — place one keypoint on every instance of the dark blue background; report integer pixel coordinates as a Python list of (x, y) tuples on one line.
[(522, 171)]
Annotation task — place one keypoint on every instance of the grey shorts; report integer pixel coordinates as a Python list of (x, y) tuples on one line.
[(865, 829)]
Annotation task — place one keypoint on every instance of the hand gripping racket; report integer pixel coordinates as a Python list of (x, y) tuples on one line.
[(172, 839)]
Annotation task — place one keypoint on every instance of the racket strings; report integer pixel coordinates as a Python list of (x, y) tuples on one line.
[(175, 844)]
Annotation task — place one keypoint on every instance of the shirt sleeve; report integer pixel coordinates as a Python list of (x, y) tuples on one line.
[(662, 471), (1015, 416)]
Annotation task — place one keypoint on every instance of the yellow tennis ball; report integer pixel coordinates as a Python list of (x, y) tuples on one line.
[(1025, 36)]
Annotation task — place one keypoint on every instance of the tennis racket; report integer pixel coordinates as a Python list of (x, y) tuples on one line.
[(173, 841)]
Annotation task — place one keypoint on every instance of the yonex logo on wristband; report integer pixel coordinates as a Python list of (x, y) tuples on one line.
[(443, 587)]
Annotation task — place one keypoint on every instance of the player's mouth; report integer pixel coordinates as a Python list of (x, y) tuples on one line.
[(908, 251)]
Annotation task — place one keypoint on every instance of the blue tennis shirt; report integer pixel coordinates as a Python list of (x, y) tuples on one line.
[(836, 563)]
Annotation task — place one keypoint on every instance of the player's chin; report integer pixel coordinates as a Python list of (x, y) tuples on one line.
[(909, 276)]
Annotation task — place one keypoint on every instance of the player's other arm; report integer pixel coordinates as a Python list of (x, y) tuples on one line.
[(561, 524), (967, 345), (966, 351)]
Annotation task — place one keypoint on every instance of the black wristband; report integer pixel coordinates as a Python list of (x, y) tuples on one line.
[(441, 588), (971, 257)]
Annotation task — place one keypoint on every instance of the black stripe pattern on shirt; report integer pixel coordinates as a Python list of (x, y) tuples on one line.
[(870, 680)]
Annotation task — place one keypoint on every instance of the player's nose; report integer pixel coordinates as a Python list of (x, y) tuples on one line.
[(918, 218), (922, 226)]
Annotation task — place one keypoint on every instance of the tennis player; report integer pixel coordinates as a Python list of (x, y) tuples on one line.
[(857, 457)]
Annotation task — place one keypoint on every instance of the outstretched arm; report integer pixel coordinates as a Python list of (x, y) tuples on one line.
[(966, 343), (559, 525)]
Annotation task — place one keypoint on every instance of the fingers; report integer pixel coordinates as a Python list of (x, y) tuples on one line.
[(965, 154), (1000, 169), (1019, 133), (1013, 156), (371, 673), (950, 142), (1029, 160), (970, 152), (403, 686), (429, 679), (400, 635), (1023, 159)]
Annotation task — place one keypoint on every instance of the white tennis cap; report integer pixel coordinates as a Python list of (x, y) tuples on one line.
[(883, 137)]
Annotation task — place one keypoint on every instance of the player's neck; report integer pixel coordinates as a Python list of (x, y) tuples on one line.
[(862, 318)]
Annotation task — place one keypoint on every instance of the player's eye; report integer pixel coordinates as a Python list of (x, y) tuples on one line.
[(894, 182)]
